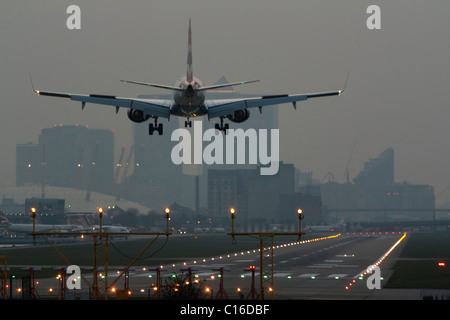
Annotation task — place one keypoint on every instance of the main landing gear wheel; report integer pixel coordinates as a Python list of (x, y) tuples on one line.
[(158, 127)]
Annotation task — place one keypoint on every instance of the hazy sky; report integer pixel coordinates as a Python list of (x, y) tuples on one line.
[(398, 94)]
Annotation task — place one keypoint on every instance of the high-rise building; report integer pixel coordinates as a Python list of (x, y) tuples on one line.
[(68, 156), (256, 198), (28, 164), (375, 196), (156, 181), (379, 170)]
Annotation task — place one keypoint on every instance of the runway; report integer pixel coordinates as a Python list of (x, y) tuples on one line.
[(327, 267), (320, 269)]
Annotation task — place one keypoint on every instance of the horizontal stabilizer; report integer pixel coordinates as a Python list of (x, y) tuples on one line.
[(155, 85), (231, 84)]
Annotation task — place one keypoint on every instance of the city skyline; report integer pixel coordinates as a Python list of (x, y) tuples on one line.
[(368, 191)]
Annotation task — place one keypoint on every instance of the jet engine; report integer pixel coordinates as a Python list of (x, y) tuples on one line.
[(239, 115), (137, 115)]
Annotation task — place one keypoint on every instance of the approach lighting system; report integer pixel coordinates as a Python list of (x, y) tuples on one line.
[(167, 211), (301, 216)]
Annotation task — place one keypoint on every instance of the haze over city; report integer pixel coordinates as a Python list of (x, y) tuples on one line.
[(397, 94)]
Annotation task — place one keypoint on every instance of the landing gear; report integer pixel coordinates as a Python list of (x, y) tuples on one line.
[(188, 123), (158, 127), (221, 126)]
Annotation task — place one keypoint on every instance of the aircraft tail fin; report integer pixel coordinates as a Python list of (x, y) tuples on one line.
[(85, 222), (5, 221), (189, 71)]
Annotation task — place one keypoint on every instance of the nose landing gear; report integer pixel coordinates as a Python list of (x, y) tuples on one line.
[(155, 127), (221, 126)]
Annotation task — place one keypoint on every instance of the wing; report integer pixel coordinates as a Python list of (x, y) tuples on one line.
[(152, 107), (216, 86), (221, 108)]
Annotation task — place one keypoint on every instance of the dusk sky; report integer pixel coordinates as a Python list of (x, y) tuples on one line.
[(397, 96)]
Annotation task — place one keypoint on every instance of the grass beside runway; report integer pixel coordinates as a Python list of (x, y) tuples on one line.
[(417, 266)]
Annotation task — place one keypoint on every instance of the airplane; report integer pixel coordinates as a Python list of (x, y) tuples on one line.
[(319, 228), (88, 227), (325, 228), (188, 100), (28, 227), (60, 227)]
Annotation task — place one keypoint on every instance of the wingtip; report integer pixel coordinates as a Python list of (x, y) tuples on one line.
[(32, 84), (250, 81), (345, 85)]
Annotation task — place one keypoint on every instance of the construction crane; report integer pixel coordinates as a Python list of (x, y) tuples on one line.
[(347, 173)]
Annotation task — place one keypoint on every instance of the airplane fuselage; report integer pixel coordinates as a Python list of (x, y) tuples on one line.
[(22, 227), (189, 102)]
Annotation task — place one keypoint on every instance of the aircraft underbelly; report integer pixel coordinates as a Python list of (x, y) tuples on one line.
[(188, 110)]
